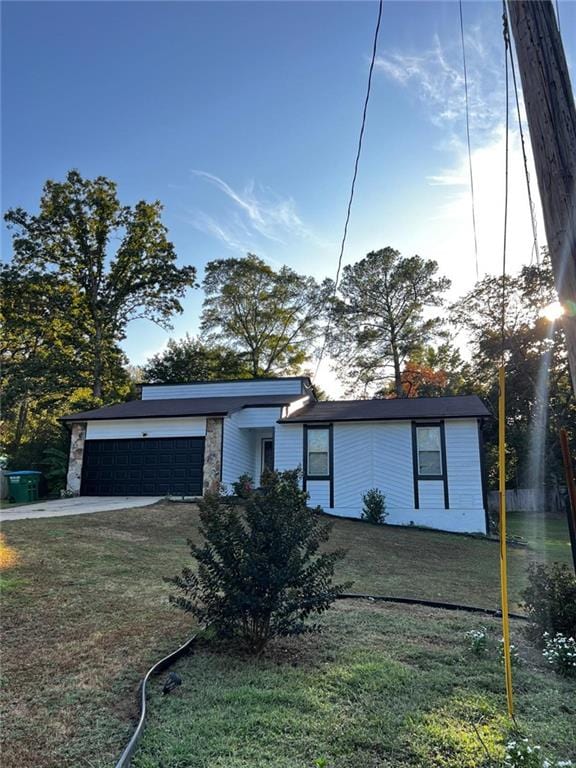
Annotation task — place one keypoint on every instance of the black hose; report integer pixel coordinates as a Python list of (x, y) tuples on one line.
[(160, 666), (431, 604)]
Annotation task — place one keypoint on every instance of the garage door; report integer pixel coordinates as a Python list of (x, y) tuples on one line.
[(151, 467)]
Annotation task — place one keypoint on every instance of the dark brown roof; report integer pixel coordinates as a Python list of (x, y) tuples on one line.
[(185, 406), (458, 406)]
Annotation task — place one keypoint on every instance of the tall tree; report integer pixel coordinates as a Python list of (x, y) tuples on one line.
[(73, 236), (379, 321), (270, 317), (188, 359)]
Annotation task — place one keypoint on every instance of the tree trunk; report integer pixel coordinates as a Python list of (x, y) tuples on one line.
[(20, 423), (98, 366)]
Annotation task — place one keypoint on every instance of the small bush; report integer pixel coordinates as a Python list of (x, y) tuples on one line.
[(260, 570), (374, 506), (243, 487), (550, 600), (478, 641), (520, 753), (560, 652)]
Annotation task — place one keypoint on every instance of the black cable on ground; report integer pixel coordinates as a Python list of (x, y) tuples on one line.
[(431, 604), (156, 669)]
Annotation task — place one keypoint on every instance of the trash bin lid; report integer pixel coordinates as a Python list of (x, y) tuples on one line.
[(22, 472)]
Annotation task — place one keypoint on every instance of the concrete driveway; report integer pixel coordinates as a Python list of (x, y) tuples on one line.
[(82, 505)]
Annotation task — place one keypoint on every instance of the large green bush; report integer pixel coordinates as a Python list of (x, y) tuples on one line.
[(260, 570), (550, 600)]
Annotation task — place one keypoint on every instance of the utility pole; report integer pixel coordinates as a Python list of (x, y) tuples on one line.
[(552, 125)]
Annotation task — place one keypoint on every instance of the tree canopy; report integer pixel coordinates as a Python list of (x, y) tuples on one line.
[(271, 318), (378, 320), (189, 359), (73, 238)]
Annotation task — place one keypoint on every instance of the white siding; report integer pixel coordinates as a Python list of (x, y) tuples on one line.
[(431, 494), (248, 387), (372, 455), (237, 451), (379, 455), (288, 446), (295, 406), (463, 458), (319, 491), (257, 417), (125, 428)]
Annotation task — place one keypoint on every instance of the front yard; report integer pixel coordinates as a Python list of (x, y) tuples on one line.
[(85, 614)]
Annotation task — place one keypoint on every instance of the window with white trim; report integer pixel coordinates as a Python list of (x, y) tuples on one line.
[(429, 451), (318, 452)]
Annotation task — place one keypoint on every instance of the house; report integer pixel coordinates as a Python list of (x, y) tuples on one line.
[(424, 454)]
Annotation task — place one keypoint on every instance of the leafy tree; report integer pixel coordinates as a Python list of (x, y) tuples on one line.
[(188, 359), (270, 318), (539, 398), (72, 238), (433, 372), (260, 571), (379, 322)]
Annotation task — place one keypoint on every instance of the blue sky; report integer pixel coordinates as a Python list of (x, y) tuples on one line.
[(242, 118)]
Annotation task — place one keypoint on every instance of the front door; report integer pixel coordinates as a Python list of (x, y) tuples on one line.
[(267, 460)]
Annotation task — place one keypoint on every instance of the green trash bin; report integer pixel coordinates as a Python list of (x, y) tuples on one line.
[(23, 486)]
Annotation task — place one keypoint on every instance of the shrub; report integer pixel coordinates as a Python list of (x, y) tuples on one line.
[(260, 571), (478, 641), (520, 753), (243, 487), (560, 652), (550, 600), (374, 506)]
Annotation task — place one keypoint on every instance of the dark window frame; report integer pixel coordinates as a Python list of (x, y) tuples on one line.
[(417, 476), (329, 478), (262, 441)]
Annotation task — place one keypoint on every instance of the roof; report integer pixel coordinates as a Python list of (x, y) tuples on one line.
[(455, 407), (185, 406)]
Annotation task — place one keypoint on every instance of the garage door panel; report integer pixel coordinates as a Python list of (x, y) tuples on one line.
[(142, 467)]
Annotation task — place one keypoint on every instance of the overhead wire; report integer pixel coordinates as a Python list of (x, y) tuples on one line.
[(354, 176), (467, 104), (502, 398), (536, 249)]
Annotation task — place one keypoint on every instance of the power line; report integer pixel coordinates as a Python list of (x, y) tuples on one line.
[(355, 175), (525, 159), (506, 166), (468, 140)]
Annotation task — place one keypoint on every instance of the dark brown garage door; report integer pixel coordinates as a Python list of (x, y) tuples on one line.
[(150, 467)]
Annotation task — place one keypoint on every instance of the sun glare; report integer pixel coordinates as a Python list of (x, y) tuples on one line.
[(553, 311)]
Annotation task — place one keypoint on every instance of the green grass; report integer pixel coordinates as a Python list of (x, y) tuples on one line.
[(381, 686), (85, 613), (547, 536)]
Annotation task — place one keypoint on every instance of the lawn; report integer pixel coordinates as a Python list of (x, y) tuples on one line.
[(84, 613), (382, 685), (547, 536)]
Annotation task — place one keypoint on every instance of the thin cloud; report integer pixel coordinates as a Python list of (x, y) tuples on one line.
[(436, 78), (257, 213)]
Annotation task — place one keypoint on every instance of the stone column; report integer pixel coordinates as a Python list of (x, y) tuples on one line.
[(213, 455), (74, 477)]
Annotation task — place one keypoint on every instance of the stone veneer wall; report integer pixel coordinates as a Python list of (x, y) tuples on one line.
[(213, 455), (78, 438)]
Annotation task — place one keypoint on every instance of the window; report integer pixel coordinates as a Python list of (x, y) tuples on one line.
[(429, 451), (318, 452)]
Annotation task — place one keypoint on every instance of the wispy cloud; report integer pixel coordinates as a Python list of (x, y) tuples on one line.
[(436, 79), (257, 213)]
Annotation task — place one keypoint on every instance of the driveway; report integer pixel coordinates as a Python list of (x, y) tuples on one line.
[(82, 505)]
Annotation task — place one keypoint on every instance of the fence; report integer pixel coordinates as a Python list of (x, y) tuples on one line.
[(531, 500)]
